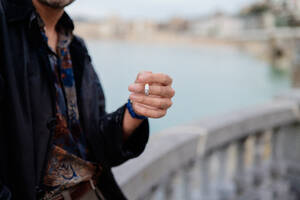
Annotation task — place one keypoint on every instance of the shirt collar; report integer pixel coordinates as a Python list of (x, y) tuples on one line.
[(64, 27)]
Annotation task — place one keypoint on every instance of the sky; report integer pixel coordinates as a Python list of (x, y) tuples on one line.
[(153, 9)]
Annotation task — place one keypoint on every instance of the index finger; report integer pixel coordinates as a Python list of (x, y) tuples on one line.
[(140, 74), (155, 78)]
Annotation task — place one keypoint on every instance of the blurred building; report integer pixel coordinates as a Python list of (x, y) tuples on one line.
[(175, 24), (289, 4), (218, 25)]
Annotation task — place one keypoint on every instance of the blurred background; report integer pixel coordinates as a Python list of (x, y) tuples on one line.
[(228, 59), (219, 53)]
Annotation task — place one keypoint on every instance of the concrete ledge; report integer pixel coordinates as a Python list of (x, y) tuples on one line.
[(225, 129), (170, 150)]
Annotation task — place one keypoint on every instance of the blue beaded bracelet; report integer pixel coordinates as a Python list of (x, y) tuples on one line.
[(132, 113)]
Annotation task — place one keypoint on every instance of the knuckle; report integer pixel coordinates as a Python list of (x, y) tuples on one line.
[(143, 99), (169, 91), (138, 109), (166, 79), (163, 113), (165, 91), (138, 76), (141, 88), (166, 104), (156, 102), (161, 103), (144, 112), (171, 103), (157, 114), (135, 107), (172, 92), (152, 89), (160, 90)]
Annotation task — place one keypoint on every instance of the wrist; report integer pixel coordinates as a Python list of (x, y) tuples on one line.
[(132, 113), (130, 124)]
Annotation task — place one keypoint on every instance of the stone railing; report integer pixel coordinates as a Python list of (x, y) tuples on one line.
[(252, 154)]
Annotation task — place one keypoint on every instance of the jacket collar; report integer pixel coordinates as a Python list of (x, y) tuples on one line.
[(17, 10), (64, 23)]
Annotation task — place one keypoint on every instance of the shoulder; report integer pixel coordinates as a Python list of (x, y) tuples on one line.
[(78, 46), (79, 41)]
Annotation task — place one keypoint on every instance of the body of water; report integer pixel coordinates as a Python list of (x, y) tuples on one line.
[(208, 80)]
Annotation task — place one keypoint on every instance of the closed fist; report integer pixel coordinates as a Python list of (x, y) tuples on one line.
[(159, 99)]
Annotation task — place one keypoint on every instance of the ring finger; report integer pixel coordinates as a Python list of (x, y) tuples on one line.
[(164, 91)]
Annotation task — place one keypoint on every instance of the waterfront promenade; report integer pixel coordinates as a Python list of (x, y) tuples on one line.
[(247, 154), (278, 45)]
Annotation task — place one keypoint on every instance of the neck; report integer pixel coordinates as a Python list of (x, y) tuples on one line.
[(50, 16)]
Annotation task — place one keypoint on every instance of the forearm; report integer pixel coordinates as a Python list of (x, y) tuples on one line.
[(129, 124)]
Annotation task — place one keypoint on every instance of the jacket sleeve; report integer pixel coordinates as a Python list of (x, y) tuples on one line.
[(1, 50), (5, 194), (111, 127), (1, 88)]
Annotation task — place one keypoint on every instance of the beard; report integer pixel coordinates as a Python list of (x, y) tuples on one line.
[(56, 4)]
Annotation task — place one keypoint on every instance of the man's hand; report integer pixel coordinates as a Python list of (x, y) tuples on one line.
[(153, 106), (160, 99)]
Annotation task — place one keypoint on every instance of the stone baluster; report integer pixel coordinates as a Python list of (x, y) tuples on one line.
[(240, 169), (257, 164), (187, 180), (205, 184), (152, 194), (168, 187), (279, 184), (274, 169), (260, 169), (274, 154), (223, 189)]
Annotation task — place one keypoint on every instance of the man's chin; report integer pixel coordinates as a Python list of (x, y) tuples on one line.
[(56, 4)]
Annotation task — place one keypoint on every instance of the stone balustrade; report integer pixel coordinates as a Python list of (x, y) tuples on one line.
[(250, 154)]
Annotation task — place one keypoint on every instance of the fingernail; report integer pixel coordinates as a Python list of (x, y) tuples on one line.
[(141, 78), (131, 87), (133, 97)]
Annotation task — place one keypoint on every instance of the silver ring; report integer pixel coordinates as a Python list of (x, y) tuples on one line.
[(147, 89)]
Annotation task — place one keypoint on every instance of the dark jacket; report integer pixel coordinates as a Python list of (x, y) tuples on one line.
[(27, 109)]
